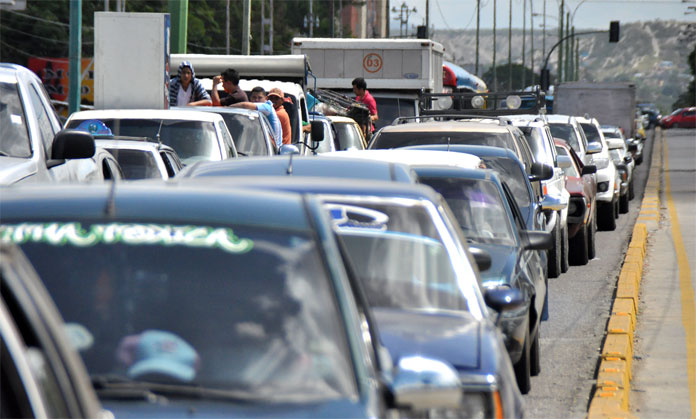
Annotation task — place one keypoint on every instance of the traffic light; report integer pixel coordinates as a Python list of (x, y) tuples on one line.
[(614, 31)]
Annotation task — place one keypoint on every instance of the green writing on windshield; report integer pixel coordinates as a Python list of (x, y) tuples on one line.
[(59, 234)]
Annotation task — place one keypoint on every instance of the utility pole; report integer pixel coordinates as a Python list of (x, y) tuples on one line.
[(543, 38), (178, 10), (404, 13), (524, 42), (246, 27), (75, 56), (566, 50), (478, 25), (531, 20), (227, 28), (266, 49), (560, 47), (495, 70), (510, 48), (427, 19)]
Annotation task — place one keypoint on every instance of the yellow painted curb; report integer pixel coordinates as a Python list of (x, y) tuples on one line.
[(628, 289), (621, 325), (618, 347), (631, 276), (615, 394), (633, 266), (624, 307), (617, 366)]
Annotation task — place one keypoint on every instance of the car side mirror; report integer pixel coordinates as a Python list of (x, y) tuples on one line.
[(288, 149), (538, 240), (588, 169), (594, 148), (317, 131), (628, 159), (73, 144), (502, 299), (553, 203), (564, 162), (422, 383), (481, 257), (540, 171)]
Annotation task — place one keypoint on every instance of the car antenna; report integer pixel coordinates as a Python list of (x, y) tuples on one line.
[(157, 136), (289, 169), (110, 207), (449, 140)]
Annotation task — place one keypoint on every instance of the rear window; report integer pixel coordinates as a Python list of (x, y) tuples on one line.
[(405, 139), (136, 164), (567, 133), (14, 139)]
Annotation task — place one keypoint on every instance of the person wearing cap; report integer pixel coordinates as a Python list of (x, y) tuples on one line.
[(277, 97), (186, 90), (259, 101), (230, 84)]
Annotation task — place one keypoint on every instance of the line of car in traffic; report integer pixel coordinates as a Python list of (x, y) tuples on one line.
[(408, 279)]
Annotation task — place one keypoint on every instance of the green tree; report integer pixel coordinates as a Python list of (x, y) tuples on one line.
[(688, 98)]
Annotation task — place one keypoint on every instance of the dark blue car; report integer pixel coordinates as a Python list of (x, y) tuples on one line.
[(203, 300)]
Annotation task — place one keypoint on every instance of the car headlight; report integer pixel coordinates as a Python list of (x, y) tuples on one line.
[(603, 186), (624, 174)]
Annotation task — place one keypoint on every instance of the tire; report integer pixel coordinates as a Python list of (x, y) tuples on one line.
[(535, 356), (564, 253), (591, 238), (631, 191), (616, 208), (607, 221), (578, 247), (522, 368), (554, 255), (623, 203), (639, 160)]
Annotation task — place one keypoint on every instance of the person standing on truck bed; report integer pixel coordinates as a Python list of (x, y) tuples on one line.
[(186, 90), (277, 97), (363, 96), (260, 102), (230, 83)]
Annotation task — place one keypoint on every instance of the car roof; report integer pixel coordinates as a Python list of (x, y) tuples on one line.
[(154, 201), (556, 119), (167, 114), (131, 144), (447, 126), (221, 109), (413, 158), (433, 171), (289, 88), (322, 166), (476, 150), (341, 119), (325, 186), (614, 143)]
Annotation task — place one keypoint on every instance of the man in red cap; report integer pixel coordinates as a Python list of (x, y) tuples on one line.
[(277, 97)]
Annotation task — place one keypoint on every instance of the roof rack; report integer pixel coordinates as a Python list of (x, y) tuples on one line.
[(344, 105), (488, 104), (451, 117)]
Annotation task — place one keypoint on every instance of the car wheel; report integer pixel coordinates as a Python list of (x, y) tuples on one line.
[(607, 221), (578, 247), (591, 237), (623, 203), (522, 368), (639, 160), (564, 253), (631, 191), (554, 261), (535, 356)]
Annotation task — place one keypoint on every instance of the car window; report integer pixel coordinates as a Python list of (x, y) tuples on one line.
[(247, 133), (168, 164), (537, 144), (14, 137), (42, 118), (136, 164), (567, 133), (478, 207), (571, 170), (591, 132), (327, 144), (192, 140), (689, 113), (226, 138), (245, 309), (398, 256), (348, 136), (514, 176), (393, 139)]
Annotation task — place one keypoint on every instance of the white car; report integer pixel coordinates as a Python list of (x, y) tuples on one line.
[(618, 150), (415, 158), (608, 181), (142, 159), (32, 146), (350, 136), (193, 135)]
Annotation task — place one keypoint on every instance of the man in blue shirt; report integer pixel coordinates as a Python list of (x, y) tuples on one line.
[(259, 101), (186, 90)]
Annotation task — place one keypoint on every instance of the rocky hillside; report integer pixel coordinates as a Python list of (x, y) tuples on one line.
[(651, 54)]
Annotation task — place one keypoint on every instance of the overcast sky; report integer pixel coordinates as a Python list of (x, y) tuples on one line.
[(595, 14)]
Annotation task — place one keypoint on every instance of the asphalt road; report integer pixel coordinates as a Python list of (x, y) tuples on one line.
[(579, 304)]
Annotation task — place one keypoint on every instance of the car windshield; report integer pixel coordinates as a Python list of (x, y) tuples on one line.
[(14, 138), (570, 170), (394, 139), (612, 133), (247, 133), (398, 256), (567, 133), (136, 164), (536, 142), (676, 111), (591, 132), (227, 308), (348, 136), (478, 206), (192, 140)]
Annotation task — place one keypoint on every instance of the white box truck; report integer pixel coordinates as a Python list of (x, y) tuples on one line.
[(610, 103), (396, 70)]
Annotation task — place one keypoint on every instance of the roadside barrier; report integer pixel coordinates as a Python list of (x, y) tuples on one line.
[(612, 388)]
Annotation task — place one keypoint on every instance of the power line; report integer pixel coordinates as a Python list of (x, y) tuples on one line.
[(26, 54), (42, 37), (437, 3), (40, 19)]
